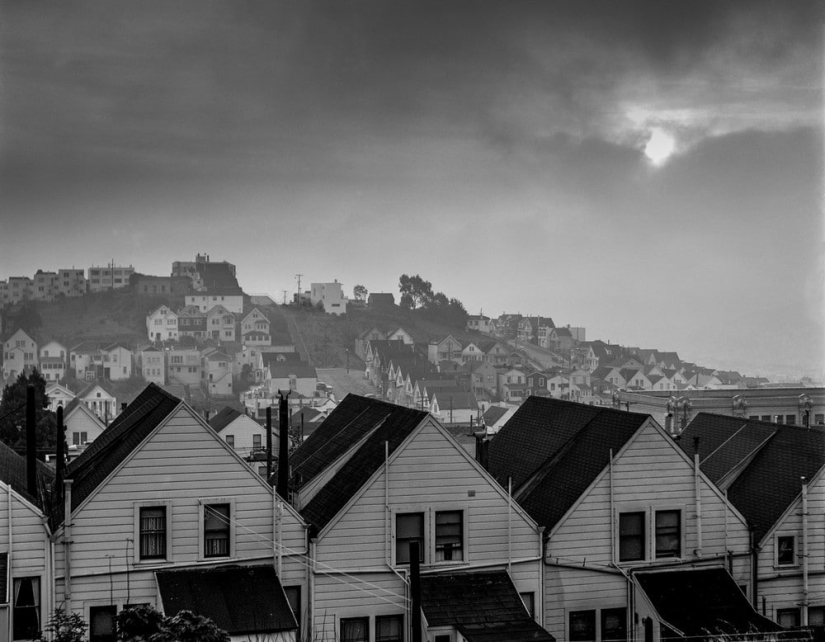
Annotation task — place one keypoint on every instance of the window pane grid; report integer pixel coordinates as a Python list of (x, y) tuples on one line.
[(409, 528), (668, 534), (389, 628), (631, 536), (449, 534), (355, 630)]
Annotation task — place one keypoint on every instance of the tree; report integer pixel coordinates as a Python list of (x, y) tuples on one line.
[(360, 293), (13, 415), (415, 291), (145, 624)]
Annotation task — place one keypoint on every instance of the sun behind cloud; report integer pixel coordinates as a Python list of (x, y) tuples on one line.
[(659, 147)]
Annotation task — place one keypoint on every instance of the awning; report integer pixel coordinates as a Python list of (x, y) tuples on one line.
[(239, 599), (697, 602), (482, 606)]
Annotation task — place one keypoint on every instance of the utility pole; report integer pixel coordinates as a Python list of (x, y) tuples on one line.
[(284, 291), (298, 276)]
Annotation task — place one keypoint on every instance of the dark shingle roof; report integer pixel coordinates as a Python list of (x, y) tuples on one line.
[(13, 472), (115, 443), (240, 600), (724, 442), (383, 422), (773, 465), (484, 606), (223, 418), (702, 601), (493, 414), (554, 449), (299, 369)]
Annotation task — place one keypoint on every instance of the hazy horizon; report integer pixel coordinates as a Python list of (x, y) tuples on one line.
[(651, 171)]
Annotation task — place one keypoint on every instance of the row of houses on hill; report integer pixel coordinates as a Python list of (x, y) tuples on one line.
[(573, 523)]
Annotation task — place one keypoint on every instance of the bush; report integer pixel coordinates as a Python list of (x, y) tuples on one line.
[(64, 627), (145, 624)]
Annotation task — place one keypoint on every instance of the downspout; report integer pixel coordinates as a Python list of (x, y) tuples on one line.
[(9, 560), (311, 588), (543, 553), (698, 493), (509, 524), (387, 512), (754, 570), (67, 543), (805, 587), (612, 514)]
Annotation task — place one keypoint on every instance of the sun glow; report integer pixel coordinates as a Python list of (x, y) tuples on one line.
[(659, 147)]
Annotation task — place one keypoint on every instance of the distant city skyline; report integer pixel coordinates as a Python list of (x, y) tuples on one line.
[(651, 171)]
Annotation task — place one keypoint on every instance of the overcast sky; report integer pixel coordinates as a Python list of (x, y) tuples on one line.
[(649, 170)]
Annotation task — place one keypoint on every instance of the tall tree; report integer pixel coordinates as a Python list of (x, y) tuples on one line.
[(13, 413), (360, 293), (415, 291)]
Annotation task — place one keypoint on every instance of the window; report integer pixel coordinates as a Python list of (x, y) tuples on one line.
[(816, 616), (449, 536), (355, 629), (26, 614), (153, 532), (785, 551), (582, 626), (389, 628), (230, 440), (529, 600), (668, 533), (614, 625), (293, 597), (216, 533), (256, 442), (102, 624), (409, 528), (79, 438), (787, 618), (631, 536)]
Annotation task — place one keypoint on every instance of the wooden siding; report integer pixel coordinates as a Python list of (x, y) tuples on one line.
[(430, 472), (82, 422), (180, 464), (650, 474), (781, 586), (29, 539)]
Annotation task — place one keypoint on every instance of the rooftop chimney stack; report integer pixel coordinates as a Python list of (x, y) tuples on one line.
[(283, 448)]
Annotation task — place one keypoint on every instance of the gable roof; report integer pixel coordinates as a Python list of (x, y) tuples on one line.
[(553, 450), (13, 471), (483, 605), (116, 443), (223, 418), (383, 422), (285, 369), (770, 482)]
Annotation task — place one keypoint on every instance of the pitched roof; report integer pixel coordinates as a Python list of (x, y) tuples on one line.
[(268, 358), (223, 418), (241, 600), (483, 605), (300, 369), (724, 442), (770, 482), (383, 422), (13, 471), (554, 449), (493, 414), (117, 442), (699, 602)]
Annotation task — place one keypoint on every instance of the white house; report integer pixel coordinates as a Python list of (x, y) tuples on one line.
[(19, 355), (330, 295), (162, 324)]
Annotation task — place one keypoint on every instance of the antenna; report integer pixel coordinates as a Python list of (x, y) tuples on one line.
[(298, 276)]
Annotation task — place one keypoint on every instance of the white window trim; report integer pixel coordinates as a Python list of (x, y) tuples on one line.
[(795, 563), (598, 608), (429, 511), (167, 504), (650, 534), (202, 503)]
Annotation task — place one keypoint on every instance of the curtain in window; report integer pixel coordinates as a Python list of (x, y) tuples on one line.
[(153, 533), (448, 536), (216, 530), (389, 628), (409, 527), (26, 615), (354, 630)]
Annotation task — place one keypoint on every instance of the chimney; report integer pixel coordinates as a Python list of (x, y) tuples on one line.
[(283, 447), (31, 443), (206, 415), (123, 406)]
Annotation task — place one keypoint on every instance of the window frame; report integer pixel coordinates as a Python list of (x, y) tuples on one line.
[(396, 617), (167, 506), (424, 549), (582, 612), (102, 607), (656, 535), (462, 537), (36, 608), (778, 559), (795, 611), (621, 537), (347, 620), (203, 503), (650, 533)]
